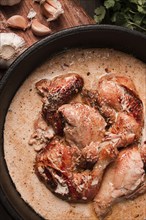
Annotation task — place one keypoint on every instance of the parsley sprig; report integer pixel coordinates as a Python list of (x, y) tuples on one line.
[(127, 13)]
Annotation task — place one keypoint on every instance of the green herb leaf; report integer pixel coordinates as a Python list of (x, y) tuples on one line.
[(117, 6), (144, 21), (121, 18), (141, 2), (109, 3), (138, 18), (99, 14), (127, 13), (134, 1), (141, 9)]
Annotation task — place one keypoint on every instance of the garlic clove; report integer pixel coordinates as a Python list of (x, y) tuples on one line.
[(11, 46), (18, 22), (54, 3), (9, 2), (52, 9), (39, 29), (47, 10)]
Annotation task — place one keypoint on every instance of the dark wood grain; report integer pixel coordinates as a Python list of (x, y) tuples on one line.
[(74, 15)]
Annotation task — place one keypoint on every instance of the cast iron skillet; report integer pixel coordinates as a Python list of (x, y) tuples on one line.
[(83, 36)]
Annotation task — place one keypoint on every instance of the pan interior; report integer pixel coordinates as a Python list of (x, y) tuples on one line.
[(26, 105), (91, 36)]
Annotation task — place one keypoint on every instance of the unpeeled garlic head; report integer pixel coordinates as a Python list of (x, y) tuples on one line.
[(11, 46), (9, 2)]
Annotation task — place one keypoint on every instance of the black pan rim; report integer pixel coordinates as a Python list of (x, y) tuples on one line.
[(28, 53), (67, 32)]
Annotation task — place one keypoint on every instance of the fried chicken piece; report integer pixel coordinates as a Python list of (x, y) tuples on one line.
[(122, 178), (57, 92), (59, 167), (117, 100)]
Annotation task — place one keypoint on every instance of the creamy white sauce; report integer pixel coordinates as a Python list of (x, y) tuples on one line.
[(90, 64)]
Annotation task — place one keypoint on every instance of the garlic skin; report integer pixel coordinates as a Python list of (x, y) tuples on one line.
[(52, 9), (9, 2), (11, 46), (31, 14)]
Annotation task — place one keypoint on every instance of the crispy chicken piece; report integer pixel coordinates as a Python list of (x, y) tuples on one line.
[(59, 166), (117, 100), (122, 178), (73, 168), (83, 124), (57, 92)]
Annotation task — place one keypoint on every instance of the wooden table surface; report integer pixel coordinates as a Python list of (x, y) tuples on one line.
[(82, 12)]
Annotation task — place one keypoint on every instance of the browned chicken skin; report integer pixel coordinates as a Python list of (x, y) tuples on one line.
[(117, 100), (83, 124), (60, 167), (57, 92), (64, 167), (122, 179), (73, 167)]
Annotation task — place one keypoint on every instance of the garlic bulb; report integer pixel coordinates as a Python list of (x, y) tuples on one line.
[(9, 2), (11, 46)]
